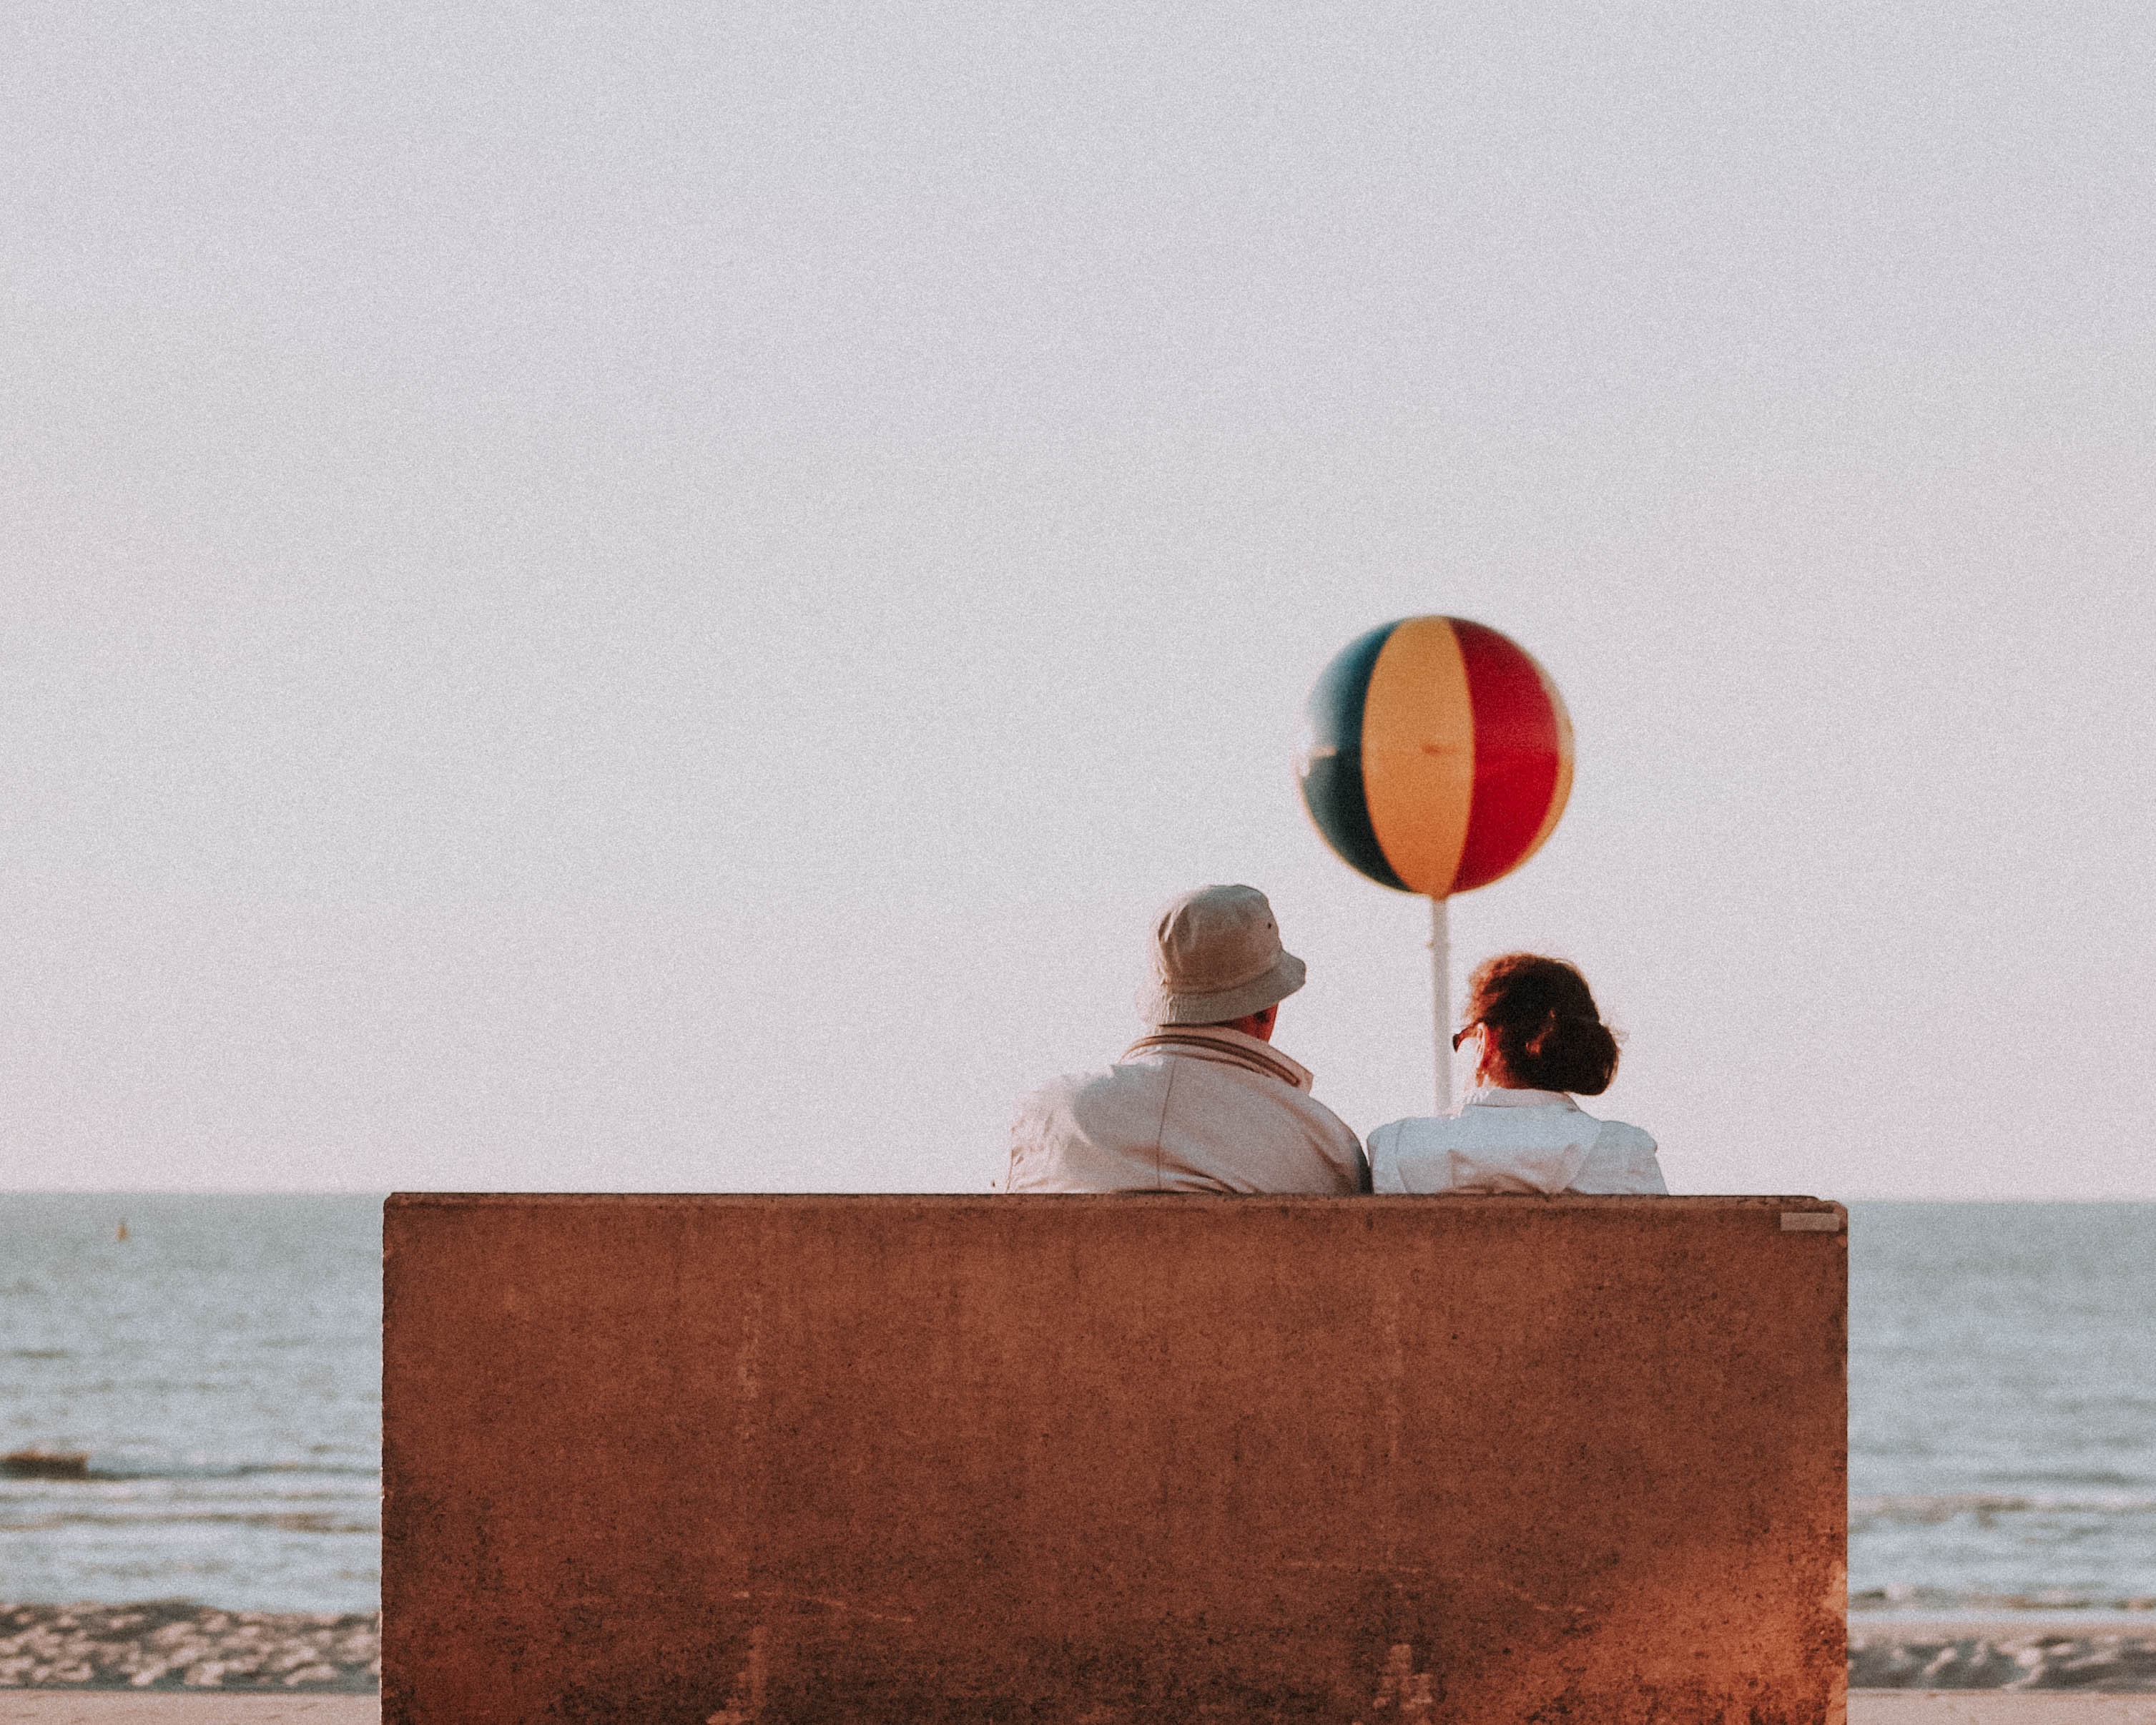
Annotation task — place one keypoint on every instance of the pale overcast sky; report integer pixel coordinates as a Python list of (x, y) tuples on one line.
[(647, 595)]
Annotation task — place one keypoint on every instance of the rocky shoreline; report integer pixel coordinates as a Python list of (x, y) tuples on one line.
[(170, 1644), (173, 1645)]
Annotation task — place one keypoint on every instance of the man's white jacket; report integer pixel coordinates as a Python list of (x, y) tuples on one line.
[(1188, 1108)]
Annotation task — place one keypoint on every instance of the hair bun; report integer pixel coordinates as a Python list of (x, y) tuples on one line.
[(1545, 1030)]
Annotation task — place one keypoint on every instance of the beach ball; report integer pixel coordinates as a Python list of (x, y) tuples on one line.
[(1437, 755)]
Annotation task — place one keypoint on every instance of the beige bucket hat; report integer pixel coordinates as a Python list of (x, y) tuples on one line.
[(1217, 955)]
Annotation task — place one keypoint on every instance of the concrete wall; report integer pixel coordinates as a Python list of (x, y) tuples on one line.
[(681, 1459)]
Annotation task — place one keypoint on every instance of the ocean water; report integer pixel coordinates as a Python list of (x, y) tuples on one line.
[(2002, 1421), (220, 1367), (223, 1369)]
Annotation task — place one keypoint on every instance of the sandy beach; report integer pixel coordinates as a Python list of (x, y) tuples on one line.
[(171, 1666), (95, 1708), (167, 1645), (2097, 1656), (163, 1660), (1866, 1708), (1951, 1707)]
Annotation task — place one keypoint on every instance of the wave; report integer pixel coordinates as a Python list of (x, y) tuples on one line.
[(1904, 1599), (118, 1468), (1945, 1506), (283, 1521)]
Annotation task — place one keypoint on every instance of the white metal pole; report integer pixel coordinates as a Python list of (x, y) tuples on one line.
[(1440, 993)]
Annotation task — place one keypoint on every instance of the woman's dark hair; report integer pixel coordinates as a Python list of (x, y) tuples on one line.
[(1543, 1024)]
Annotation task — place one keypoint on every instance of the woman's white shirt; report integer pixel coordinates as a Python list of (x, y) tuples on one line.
[(1515, 1140)]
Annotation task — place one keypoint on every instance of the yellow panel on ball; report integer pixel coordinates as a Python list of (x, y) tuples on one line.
[(1418, 753)]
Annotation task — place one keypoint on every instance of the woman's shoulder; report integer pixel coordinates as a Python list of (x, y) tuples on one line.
[(1522, 1113), (1414, 1128), (1545, 1144), (1474, 1127), (1421, 1142), (1622, 1162), (1622, 1135)]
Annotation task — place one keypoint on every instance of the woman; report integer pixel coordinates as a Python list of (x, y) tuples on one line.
[(1538, 1036)]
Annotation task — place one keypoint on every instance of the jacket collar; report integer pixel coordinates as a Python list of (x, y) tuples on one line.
[(1230, 1048), (1490, 1096)]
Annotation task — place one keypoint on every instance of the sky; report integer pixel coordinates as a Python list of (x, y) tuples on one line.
[(651, 596)]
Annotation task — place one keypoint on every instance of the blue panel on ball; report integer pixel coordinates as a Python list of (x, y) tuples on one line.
[(1331, 767)]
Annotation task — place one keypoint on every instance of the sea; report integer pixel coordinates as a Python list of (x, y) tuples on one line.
[(2002, 1409), (220, 1366)]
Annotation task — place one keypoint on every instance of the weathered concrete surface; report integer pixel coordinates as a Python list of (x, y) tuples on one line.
[(679, 1459)]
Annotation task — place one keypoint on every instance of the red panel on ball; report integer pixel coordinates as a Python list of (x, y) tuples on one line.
[(1518, 750)]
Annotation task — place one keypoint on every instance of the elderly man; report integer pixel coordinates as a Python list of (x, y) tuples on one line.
[(1202, 1102)]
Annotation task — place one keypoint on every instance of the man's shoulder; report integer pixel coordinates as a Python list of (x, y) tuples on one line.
[(1150, 1080), (1071, 1094), (1203, 1086), (1310, 1109), (1097, 1131)]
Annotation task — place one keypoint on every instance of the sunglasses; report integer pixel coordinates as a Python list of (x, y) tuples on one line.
[(1460, 1036)]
